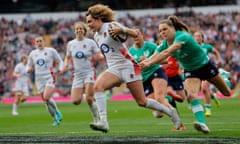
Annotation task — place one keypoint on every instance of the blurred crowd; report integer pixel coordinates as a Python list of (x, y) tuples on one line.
[(221, 29)]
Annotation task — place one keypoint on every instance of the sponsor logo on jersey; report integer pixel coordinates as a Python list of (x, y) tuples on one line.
[(79, 54), (40, 62)]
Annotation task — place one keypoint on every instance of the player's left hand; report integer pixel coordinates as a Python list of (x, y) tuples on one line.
[(145, 63), (115, 31)]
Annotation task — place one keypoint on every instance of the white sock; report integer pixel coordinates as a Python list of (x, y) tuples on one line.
[(50, 109), (94, 111), (14, 108), (101, 103), (153, 104), (53, 104)]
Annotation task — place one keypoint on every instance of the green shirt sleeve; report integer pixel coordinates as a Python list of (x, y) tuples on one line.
[(207, 48), (147, 50)]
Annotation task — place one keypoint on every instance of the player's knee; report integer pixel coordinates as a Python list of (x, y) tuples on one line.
[(45, 99), (98, 88), (89, 100), (76, 102), (23, 99), (204, 90), (141, 103), (227, 92), (18, 94), (191, 96)]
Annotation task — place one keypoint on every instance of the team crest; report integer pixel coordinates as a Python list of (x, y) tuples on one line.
[(45, 53), (84, 46), (146, 53), (104, 34)]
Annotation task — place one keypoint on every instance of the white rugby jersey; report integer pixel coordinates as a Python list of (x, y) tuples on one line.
[(20, 69), (82, 52), (42, 61), (116, 53)]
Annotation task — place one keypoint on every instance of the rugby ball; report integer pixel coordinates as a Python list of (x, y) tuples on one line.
[(121, 37)]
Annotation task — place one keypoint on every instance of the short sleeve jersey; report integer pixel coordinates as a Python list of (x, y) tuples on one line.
[(190, 56), (116, 52), (81, 53), (20, 69), (207, 48), (146, 51), (42, 61)]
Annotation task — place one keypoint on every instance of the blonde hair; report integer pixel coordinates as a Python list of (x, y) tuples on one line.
[(101, 11), (24, 57), (83, 25)]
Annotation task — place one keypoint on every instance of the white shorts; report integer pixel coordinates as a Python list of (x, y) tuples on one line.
[(81, 80), (126, 74), (21, 87), (41, 83)]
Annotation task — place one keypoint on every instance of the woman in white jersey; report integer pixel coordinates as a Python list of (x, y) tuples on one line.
[(42, 61), (81, 51), (121, 67), (21, 84)]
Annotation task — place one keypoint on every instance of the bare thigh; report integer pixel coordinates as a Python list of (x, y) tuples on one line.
[(48, 92), (221, 85), (89, 93), (137, 91), (18, 95), (106, 80), (160, 89), (76, 95), (206, 91), (192, 87), (181, 93)]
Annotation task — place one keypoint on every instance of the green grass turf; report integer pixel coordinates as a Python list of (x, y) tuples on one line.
[(125, 119)]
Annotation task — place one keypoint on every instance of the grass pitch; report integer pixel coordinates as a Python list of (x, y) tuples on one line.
[(128, 124)]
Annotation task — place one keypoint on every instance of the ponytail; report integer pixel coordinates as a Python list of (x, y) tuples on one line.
[(178, 24)]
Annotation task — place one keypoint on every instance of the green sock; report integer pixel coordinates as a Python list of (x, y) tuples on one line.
[(208, 106), (169, 98), (198, 110), (213, 96)]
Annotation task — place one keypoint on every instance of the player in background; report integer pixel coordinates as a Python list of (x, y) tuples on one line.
[(208, 94), (175, 87), (175, 80), (81, 51), (179, 43), (21, 84), (42, 61), (121, 67), (175, 84), (154, 78), (226, 76)]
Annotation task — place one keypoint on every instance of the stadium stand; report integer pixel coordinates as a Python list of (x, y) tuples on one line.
[(222, 29)]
